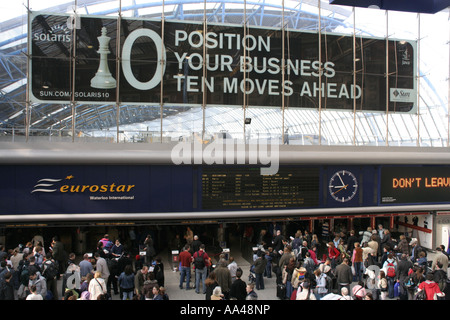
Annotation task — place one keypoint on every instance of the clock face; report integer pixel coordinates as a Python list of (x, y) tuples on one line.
[(343, 186)]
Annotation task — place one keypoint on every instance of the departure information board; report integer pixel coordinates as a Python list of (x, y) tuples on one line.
[(245, 188)]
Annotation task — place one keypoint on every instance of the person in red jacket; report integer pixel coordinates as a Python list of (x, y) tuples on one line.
[(431, 288), (333, 254)]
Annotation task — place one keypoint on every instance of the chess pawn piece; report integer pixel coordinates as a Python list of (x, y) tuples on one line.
[(103, 78)]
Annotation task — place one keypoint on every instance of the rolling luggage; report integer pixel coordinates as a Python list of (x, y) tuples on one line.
[(281, 291)]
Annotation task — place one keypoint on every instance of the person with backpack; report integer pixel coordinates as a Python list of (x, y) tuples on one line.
[(50, 273), (201, 264), (35, 279), (390, 265)]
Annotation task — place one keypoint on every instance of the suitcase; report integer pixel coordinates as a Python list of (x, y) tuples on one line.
[(281, 291)]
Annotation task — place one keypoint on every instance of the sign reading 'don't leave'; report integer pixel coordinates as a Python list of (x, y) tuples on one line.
[(415, 184), (91, 64)]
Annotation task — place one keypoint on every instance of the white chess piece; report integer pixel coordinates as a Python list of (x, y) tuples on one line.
[(103, 78)]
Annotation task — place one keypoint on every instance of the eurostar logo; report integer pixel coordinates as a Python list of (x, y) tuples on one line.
[(50, 185)]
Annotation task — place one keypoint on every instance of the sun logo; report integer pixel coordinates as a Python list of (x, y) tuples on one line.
[(57, 33)]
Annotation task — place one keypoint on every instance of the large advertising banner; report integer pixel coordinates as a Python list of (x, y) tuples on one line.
[(93, 62)]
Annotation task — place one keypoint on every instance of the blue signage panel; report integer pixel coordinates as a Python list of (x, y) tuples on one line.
[(85, 189), (95, 189)]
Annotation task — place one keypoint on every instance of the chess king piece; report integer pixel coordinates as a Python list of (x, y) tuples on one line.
[(103, 78)]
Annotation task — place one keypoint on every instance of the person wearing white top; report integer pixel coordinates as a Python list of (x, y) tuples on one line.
[(97, 286), (34, 295), (345, 295)]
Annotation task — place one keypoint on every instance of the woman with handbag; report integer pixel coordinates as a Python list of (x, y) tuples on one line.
[(383, 285), (97, 286), (414, 280)]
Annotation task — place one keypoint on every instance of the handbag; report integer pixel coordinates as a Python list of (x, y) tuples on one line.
[(108, 296), (383, 289), (410, 283), (439, 296), (421, 295)]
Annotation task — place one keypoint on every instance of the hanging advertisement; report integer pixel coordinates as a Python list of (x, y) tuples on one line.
[(92, 62)]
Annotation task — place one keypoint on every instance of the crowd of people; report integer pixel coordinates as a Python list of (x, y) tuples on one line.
[(217, 281), (367, 264), (30, 273)]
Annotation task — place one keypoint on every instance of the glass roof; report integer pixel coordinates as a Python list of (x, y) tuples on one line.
[(136, 123)]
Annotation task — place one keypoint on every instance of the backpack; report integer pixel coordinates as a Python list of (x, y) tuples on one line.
[(199, 262), (25, 276), (51, 271), (390, 270), (328, 284)]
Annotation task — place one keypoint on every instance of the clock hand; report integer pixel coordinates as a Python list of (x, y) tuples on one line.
[(339, 176), (344, 187)]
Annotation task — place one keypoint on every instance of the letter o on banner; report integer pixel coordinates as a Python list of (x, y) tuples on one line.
[(126, 59)]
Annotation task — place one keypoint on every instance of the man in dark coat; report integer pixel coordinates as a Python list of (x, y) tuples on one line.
[(403, 267), (7, 287), (223, 276), (149, 250), (278, 243), (59, 254), (260, 265), (195, 245), (344, 276), (237, 290)]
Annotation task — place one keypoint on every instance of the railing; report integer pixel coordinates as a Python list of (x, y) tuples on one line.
[(145, 136)]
